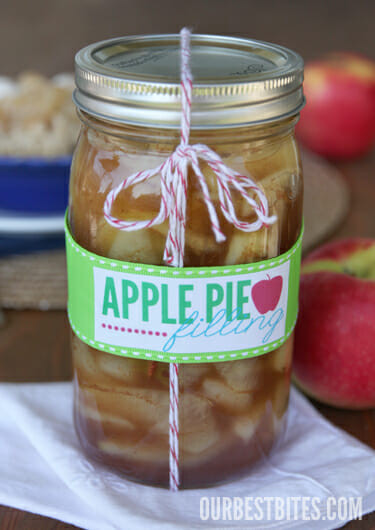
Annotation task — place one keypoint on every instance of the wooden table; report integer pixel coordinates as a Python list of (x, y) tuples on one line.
[(34, 345)]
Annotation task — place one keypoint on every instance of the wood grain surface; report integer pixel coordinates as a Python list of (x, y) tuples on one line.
[(43, 35)]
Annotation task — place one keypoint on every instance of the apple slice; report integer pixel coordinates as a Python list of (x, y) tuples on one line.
[(146, 408), (249, 247), (96, 368), (105, 418), (151, 453), (244, 375), (246, 426), (225, 397), (197, 443), (130, 372), (190, 375)]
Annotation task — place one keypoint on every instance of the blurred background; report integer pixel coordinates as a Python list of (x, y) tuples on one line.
[(45, 34)]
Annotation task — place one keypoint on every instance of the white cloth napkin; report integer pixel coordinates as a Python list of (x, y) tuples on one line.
[(42, 470)]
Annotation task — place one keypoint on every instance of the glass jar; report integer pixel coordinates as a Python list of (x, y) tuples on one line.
[(230, 413)]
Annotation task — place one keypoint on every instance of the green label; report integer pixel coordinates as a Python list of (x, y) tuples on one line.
[(183, 315)]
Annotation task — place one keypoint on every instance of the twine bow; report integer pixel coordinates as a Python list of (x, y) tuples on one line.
[(173, 190), (173, 183)]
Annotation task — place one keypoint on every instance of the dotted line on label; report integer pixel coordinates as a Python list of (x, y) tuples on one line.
[(164, 357), (182, 271), (134, 330)]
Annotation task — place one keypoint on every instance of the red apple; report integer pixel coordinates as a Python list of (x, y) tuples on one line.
[(334, 358), (266, 294), (338, 120)]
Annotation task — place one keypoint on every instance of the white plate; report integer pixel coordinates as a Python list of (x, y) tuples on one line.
[(21, 223)]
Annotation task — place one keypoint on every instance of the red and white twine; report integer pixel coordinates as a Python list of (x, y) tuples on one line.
[(173, 190)]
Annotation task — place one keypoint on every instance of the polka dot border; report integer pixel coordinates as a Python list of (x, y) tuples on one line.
[(124, 329), (182, 358)]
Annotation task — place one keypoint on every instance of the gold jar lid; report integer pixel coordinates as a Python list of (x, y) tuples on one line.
[(237, 82)]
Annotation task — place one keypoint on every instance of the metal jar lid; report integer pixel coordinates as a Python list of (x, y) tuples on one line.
[(237, 82)]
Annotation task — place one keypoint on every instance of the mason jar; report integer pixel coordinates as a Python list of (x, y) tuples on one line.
[(246, 100)]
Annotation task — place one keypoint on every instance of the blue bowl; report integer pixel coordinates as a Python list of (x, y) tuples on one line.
[(34, 184), (19, 244)]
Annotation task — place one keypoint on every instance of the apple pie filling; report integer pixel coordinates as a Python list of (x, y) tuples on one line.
[(230, 413)]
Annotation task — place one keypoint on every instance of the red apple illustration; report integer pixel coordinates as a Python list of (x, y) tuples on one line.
[(266, 294)]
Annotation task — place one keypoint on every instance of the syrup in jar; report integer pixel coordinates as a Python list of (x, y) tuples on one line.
[(230, 413)]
